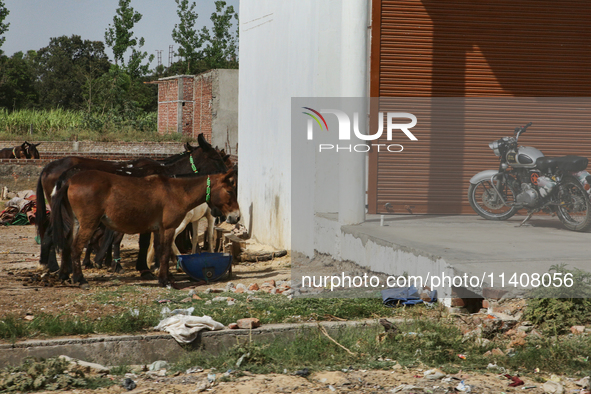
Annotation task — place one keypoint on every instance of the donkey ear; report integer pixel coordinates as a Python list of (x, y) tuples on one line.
[(230, 176), (203, 142), (37, 144), (226, 157), (188, 147)]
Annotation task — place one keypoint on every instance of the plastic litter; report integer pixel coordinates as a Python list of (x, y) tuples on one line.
[(405, 296), (463, 387), (158, 365), (302, 372), (129, 384), (551, 387), (515, 379)]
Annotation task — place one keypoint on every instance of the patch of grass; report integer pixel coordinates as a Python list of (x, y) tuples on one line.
[(426, 343), (279, 309), (567, 306), (13, 327), (62, 125), (50, 374), (120, 370)]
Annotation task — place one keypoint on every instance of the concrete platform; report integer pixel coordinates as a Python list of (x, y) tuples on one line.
[(458, 245)]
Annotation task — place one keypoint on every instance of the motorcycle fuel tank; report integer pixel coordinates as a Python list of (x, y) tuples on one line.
[(525, 157)]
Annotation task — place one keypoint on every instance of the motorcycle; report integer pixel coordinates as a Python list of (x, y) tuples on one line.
[(526, 179)]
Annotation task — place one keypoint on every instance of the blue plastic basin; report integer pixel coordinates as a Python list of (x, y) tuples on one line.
[(205, 266)]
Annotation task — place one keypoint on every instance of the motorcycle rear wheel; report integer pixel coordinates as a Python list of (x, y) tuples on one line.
[(574, 209), (485, 202)]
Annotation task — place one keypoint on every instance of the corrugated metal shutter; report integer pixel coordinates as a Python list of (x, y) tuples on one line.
[(464, 48)]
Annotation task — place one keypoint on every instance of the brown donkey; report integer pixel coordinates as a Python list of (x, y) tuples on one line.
[(135, 205), (18, 152)]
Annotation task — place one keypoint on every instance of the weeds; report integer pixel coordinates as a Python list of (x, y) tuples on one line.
[(430, 344), (59, 124), (569, 305), (12, 327), (50, 374)]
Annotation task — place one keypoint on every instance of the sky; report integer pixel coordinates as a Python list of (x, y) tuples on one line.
[(34, 22)]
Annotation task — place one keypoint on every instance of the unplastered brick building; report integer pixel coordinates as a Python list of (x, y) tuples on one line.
[(206, 103)]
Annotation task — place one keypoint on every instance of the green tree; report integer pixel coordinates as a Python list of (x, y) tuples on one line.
[(120, 38), (185, 35), (222, 44), (65, 67), (17, 75), (3, 26)]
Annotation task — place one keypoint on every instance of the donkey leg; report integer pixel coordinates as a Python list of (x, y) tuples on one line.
[(48, 256), (81, 234), (142, 264), (86, 262), (116, 248), (66, 263), (195, 238), (166, 238), (210, 230), (150, 257)]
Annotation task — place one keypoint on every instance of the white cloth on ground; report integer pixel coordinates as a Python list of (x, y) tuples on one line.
[(185, 328)]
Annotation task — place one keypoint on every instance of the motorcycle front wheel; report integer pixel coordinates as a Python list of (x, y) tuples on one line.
[(485, 201), (574, 208)]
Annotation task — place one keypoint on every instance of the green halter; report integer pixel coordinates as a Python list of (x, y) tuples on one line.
[(193, 165), (208, 190)]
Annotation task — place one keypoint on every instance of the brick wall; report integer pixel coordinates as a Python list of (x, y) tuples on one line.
[(171, 100), (203, 101), (187, 105), (54, 150)]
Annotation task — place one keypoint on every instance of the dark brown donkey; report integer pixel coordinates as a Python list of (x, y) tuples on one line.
[(32, 150), (18, 152), (135, 205)]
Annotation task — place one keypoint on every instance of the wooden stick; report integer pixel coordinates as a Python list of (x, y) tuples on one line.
[(323, 330)]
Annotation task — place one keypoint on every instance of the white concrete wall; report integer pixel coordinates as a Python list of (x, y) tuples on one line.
[(288, 48), (224, 122)]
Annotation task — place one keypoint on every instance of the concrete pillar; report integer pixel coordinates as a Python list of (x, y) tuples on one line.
[(353, 62)]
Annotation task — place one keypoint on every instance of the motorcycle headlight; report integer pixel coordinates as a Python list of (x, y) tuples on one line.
[(495, 147)]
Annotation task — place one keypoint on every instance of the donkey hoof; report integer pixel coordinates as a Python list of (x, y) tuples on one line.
[(118, 269), (147, 275), (84, 286)]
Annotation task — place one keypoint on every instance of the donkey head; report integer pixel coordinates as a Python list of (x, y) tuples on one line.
[(224, 202), (32, 151), (22, 152), (207, 159)]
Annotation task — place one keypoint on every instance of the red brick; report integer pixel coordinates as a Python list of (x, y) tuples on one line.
[(250, 322)]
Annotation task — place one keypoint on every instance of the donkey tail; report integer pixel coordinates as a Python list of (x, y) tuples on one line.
[(59, 205), (41, 221)]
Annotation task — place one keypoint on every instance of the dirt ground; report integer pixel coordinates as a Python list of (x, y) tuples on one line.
[(22, 292), (398, 379)]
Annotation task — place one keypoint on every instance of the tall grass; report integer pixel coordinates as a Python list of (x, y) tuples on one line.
[(42, 121), (60, 124)]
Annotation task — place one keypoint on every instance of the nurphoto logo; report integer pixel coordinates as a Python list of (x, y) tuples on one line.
[(392, 124)]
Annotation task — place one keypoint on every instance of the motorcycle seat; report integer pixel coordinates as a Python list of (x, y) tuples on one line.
[(565, 163)]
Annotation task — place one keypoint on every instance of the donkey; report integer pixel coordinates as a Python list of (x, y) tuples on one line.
[(135, 205), (192, 217), (18, 152), (204, 159), (32, 150)]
